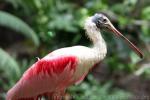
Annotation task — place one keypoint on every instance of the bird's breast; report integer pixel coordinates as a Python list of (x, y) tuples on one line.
[(87, 58)]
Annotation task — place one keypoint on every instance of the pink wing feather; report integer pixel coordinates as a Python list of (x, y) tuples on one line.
[(50, 74)]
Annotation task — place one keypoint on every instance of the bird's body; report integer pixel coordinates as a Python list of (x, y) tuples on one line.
[(61, 68)]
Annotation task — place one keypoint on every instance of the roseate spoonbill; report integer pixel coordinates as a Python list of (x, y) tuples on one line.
[(61, 68)]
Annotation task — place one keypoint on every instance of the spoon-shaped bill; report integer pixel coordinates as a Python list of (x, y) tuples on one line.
[(132, 46)]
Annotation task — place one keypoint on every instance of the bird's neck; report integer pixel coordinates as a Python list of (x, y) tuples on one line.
[(95, 36)]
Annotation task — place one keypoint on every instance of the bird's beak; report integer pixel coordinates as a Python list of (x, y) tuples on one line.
[(118, 34)]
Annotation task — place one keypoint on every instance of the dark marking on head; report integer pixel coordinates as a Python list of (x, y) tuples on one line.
[(100, 20)]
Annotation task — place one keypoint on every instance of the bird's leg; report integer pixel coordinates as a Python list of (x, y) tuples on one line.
[(59, 95), (49, 95), (39, 97)]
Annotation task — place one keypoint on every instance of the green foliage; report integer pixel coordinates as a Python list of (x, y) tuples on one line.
[(9, 69), (14, 2), (146, 13), (10, 21), (146, 73), (59, 23), (92, 90)]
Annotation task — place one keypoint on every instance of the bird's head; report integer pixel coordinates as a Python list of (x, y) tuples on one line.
[(101, 21)]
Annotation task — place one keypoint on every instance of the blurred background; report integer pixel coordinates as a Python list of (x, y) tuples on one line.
[(34, 28)]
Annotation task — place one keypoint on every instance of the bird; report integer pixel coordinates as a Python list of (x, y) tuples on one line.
[(51, 75)]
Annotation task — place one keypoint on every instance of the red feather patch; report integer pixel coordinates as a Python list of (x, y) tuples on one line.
[(52, 65)]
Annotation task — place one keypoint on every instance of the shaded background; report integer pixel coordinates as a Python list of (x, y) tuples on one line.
[(33, 28)]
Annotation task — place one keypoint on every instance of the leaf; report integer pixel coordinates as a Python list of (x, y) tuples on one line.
[(146, 13), (92, 90), (67, 23), (8, 66), (17, 24), (134, 58)]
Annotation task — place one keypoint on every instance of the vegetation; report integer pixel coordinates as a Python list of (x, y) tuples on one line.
[(33, 28), (15, 23)]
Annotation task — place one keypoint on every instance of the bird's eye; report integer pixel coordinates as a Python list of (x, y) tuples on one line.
[(104, 20)]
